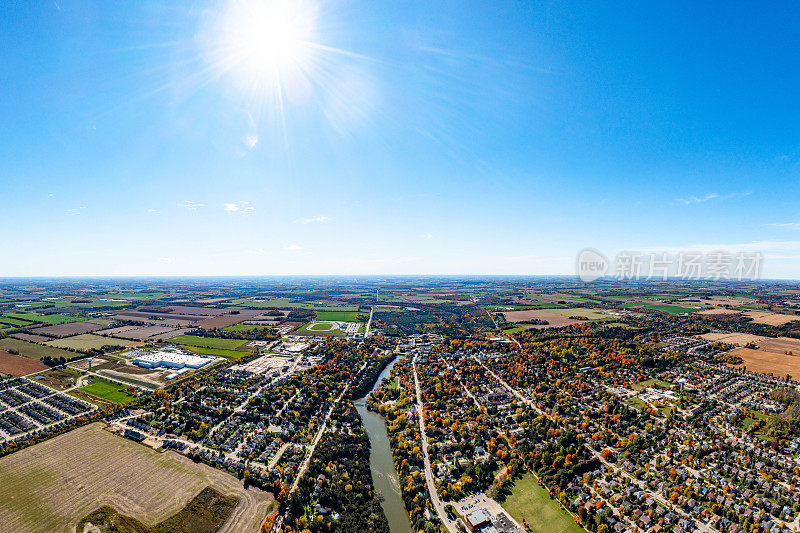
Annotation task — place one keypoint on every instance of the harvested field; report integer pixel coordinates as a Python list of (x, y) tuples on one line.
[(34, 351), (145, 332), (87, 341), (30, 337), (66, 330), (170, 334), (589, 314), (779, 345), (732, 338), (554, 319), (718, 312), (116, 331), (777, 364), (51, 486), (17, 365), (771, 319), (223, 321)]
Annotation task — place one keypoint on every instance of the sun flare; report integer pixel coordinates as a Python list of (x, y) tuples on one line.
[(268, 40)]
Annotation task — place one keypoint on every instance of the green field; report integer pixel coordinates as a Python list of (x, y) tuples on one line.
[(208, 342), (529, 501), (220, 352), (34, 351), (660, 384), (13, 321), (87, 341), (107, 390), (244, 328), (340, 316), (286, 303), (49, 319)]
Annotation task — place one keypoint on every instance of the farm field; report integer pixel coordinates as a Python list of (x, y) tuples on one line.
[(771, 319), (13, 322), (18, 365), (88, 341), (244, 328), (67, 329), (52, 320), (208, 342), (39, 489), (529, 501), (590, 314), (779, 345), (34, 351), (766, 362), (554, 320), (220, 352)]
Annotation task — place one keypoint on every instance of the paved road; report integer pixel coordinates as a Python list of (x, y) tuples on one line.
[(437, 502)]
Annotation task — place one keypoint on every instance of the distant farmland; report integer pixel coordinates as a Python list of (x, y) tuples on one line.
[(99, 469), (48, 319), (87, 341), (34, 351)]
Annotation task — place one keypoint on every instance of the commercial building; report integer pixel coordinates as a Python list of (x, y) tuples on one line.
[(170, 358)]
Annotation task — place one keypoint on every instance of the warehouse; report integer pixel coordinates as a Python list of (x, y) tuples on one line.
[(170, 358)]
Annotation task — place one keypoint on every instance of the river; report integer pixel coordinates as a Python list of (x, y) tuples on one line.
[(384, 476)]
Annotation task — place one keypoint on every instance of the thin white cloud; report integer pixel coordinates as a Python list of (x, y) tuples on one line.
[(238, 207), (166, 259), (292, 247), (795, 226), (321, 219), (711, 196), (192, 205), (427, 236), (256, 251), (151, 210)]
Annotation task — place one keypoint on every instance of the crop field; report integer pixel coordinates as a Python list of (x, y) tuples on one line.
[(529, 501), (17, 365), (777, 364), (220, 352), (52, 320), (34, 351), (554, 320), (771, 319), (51, 486), (208, 342), (30, 337), (13, 322), (243, 328), (671, 309), (67, 329), (589, 314), (87, 341)]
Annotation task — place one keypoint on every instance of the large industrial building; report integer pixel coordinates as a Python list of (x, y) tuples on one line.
[(170, 358)]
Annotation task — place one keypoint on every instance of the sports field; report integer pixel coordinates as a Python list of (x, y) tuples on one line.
[(51, 486), (339, 316), (531, 502), (208, 342), (105, 390)]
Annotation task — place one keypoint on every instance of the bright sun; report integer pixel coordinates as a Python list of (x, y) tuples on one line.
[(268, 39)]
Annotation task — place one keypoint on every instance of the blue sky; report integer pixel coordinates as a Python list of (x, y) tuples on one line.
[(415, 137)]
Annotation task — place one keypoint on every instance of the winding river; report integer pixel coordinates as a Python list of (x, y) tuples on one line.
[(384, 476)]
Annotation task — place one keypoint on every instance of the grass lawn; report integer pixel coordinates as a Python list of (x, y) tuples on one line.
[(107, 390), (208, 342), (637, 403), (32, 350), (660, 384), (243, 328), (219, 352), (339, 316), (529, 501), (52, 320)]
